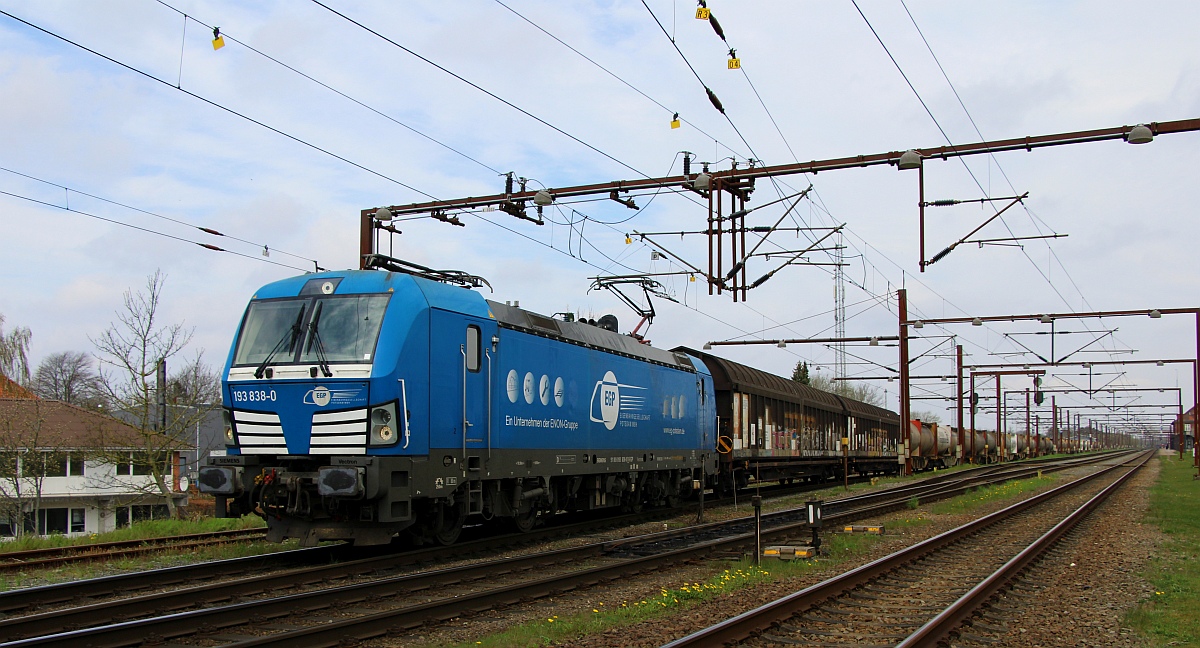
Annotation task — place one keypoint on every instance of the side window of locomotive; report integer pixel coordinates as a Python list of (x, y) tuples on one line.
[(473, 348)]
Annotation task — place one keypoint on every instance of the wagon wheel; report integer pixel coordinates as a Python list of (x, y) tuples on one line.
[(524, 521)]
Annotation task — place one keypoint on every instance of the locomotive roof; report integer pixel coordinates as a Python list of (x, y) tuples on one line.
[(463, 300), (731, 375), (588, 335)]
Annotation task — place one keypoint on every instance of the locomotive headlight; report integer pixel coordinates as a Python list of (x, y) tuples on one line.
[(228, 423), (383, 426)]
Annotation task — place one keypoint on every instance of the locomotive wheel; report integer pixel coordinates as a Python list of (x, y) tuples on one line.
[(452, 518)]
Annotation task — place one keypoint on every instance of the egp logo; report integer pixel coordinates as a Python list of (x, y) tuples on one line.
[(319, 396), (606, 401)]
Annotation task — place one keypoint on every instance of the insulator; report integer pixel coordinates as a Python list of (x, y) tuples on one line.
[(211, 231), (712, 96), (938, 257), (712, 20), (944, 203)]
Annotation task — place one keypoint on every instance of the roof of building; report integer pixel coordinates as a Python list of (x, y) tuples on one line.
[(1188, 416), (35, 423), (10, 389)]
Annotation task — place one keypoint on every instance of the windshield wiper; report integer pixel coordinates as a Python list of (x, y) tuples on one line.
[(289, 337), (314, 335)]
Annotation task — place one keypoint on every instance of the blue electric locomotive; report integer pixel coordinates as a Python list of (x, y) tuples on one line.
[(363, 404)]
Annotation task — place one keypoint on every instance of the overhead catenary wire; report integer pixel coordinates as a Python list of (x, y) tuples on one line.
[(712, 96), (206, 230), (478, 87), (206, 246), (613, 75), (950, 142), (225, 34), (1033, 216), (219, 106)]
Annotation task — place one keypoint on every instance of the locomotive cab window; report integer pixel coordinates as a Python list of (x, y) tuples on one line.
[(337, 328), (473, 349)]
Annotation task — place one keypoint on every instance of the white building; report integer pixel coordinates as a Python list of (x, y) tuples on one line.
[(64, 469)]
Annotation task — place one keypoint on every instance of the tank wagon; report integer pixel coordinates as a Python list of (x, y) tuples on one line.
[(362, 404), (932, 445)]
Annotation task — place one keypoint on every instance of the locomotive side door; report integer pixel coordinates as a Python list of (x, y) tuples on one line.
[(463, 363)]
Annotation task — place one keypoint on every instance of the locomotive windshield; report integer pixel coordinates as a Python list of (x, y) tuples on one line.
[(307, 330)]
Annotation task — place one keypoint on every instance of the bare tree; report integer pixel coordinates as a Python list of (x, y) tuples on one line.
[(195, 383), (927, 416), (130, 350), (14, 353), (23, 462), (864, 393), (67, 376)]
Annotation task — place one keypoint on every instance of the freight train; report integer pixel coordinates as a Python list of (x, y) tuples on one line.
[(365, 404)]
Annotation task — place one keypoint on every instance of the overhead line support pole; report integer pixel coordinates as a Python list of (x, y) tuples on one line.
[(962, 437), (902, 299), (921, 202)]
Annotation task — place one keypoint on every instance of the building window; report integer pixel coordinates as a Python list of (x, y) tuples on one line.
[(55, 464), (78, 517), (10, 462), (75, 465), (122, 517), (143, 512), (141, 464), (53, 520)]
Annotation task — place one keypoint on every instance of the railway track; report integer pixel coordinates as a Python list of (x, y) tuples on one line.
[(918, 597), (376, 605), (57, 556), (18, 601)]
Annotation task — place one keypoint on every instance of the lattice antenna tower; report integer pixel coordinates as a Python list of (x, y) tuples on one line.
[(839, 309)]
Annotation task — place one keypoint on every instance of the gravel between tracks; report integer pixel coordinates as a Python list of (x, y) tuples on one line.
[(1112, 577), (1078, 594)]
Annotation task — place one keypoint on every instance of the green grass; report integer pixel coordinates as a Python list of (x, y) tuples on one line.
[(141, 530), (977, 497), (1169, 618), (671, 597), (138, 531)]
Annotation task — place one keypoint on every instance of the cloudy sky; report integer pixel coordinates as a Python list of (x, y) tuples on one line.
[(124, 111)]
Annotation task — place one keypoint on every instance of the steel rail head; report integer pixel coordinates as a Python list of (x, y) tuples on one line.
[(940, 627), (758, 620)]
